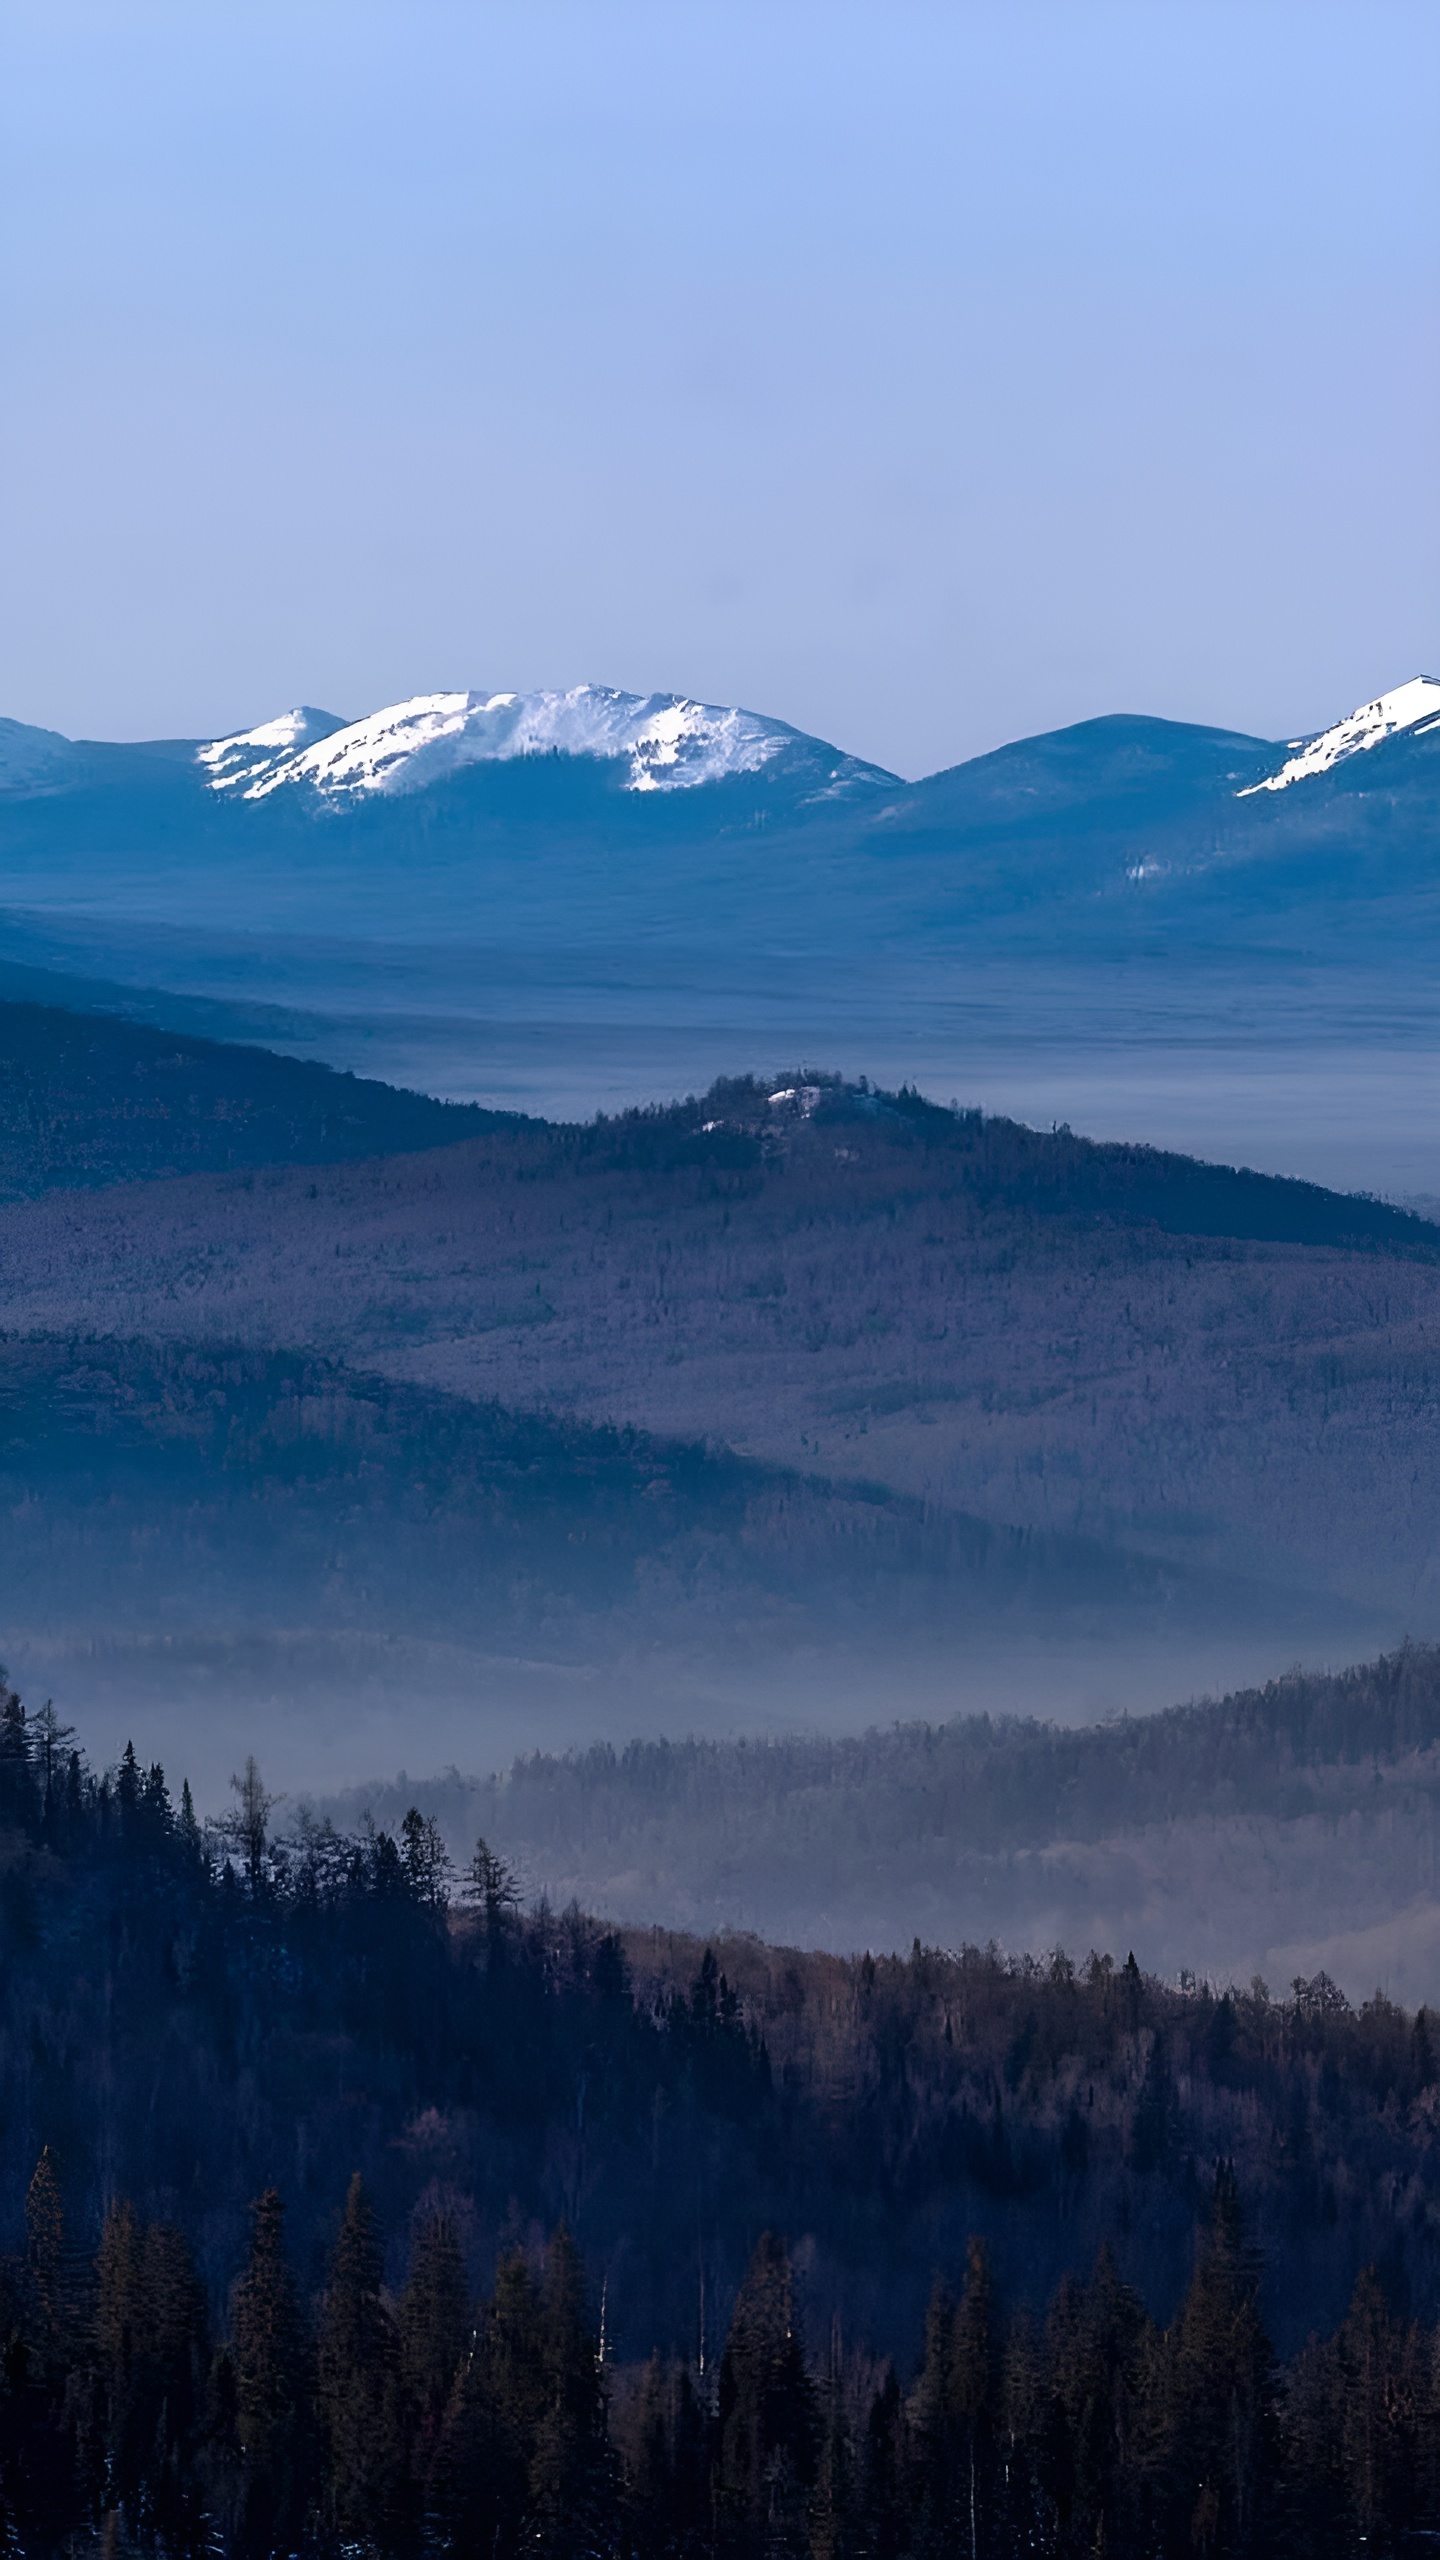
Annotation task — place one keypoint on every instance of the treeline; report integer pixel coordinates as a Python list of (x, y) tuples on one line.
[(420, 2422), (984, 1824), (975, 1782)]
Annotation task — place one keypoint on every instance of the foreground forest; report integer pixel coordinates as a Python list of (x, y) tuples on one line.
[(352, 2206)]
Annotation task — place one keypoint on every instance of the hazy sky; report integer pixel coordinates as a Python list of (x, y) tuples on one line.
[(924, 375)]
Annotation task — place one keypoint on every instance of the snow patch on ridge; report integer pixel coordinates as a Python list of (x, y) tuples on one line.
[(670, 743), (243, 762), (1408, 706)]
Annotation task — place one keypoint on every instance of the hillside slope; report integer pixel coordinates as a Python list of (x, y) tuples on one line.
[(86, 1099), (1278, 1830), (1236, 1375)]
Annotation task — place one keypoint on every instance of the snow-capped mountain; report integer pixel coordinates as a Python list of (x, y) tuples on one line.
[(1414, 706), (248, 762), (667, 742), (611, 818)]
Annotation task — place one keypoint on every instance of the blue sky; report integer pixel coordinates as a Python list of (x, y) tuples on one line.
[(923, 375)]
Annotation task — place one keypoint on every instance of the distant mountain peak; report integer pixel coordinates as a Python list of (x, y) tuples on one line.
[(670, 742), (1413, 706), (243, 762)]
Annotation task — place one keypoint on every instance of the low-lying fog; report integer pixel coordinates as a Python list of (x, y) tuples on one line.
[(329, 1713)]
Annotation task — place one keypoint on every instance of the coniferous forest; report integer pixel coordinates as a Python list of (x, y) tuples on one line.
[(354, 2207)]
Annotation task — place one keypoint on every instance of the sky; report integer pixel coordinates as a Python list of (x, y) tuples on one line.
[(923, 375)]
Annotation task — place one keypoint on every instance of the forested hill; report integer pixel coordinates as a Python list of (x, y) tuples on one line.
[(327, 2067), (998, 1165), (976, 1783), (88, 1098), (1292, 1825)]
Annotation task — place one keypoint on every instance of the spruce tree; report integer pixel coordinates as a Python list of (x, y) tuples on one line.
[(955, 2413), (47, 2464), (45, 2263), (480, 2478), (882, 2473), (835, 2522), (358, 2391), (177, 2359), (121, 2347), (1218, 2437), (768, 2428), (571, 2482), (435, 2330), (272, 2417), (1381, 2419)]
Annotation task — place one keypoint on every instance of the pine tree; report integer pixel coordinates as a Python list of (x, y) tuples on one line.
[(668, 2487), (1218, 2434), (435, 2331), (492, 1887), (1381, 2414), (188, 1832), (267, 2349), (19, 1794), (768, 2430), (1314, 2510), (358, 2391), (50, 2270), (249, 1824), (121, 2345), (882, 2473), (424, 1857), (956, 2407), (835, 2523), (571, 2482), (46, 2466), (1096, 2338), (48, 1737), (975, 2395), (933, 2495), (480, 2478), (177, 2364)]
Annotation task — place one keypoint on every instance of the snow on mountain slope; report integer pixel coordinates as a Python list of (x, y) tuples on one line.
[(243, 762), (670, 743), (1415, 705)]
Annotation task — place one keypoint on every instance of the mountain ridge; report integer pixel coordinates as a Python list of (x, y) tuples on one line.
[(478, 725)]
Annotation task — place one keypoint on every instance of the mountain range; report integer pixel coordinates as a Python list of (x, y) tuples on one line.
[(554, 900), (422, 807)]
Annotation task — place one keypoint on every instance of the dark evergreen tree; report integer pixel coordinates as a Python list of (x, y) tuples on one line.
[(121, 2355), (955, 2417), (1096, 2340), (768, 2430), (572, 2485), (435, 2332), (835, 2506), (177, 2364), (667, 2488), (47, 2449), (271, 2393), (883, 2474), (481, 2475), (366, 2493), (1214, 2391), (1382, 2416)]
